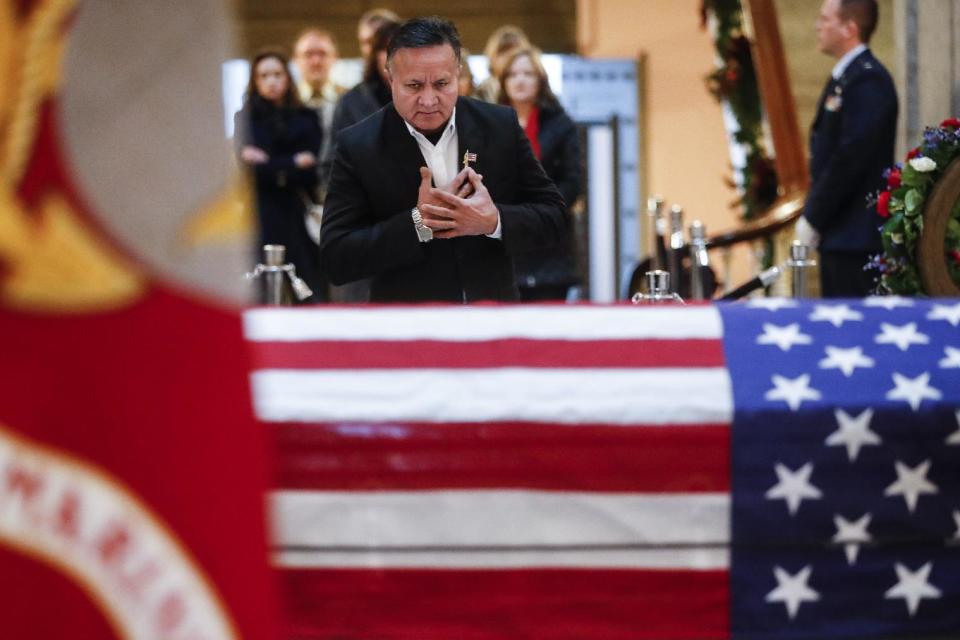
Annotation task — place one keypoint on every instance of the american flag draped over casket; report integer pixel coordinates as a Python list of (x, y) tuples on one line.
[(775, 469)]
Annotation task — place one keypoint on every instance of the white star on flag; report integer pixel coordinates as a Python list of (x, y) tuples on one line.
[(952, 361), (945, 312), (911, 483), (956, 521), (851, 535), (784, 337), (792, 391), (853, 433), (793, 486), (913, 390), (887, 302), (792, 590), (913, 586), (903, 336), (847, 360), (954, 438), (835, 315), (771, 304)]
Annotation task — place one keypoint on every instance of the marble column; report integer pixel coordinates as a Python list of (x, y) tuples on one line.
[(927, 37)]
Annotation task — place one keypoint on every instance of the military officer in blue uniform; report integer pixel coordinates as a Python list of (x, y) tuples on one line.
[(851, 143)]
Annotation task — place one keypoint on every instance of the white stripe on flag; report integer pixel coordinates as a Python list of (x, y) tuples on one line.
[(563, 396), (501, 528), (460, 323), (702, 559)]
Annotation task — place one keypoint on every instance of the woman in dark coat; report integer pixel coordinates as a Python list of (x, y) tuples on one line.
[(373, 92), (545, 274), (278, 139), (365, 99)]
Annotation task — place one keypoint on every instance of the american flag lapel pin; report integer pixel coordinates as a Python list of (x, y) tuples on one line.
[(468, 158)]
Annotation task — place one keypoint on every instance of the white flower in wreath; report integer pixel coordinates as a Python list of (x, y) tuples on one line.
[(923, 165)]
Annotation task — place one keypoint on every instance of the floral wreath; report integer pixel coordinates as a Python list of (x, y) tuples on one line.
[(901, 206)]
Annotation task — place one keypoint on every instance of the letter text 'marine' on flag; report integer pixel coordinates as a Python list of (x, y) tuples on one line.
[(132, 470), (769, 470)]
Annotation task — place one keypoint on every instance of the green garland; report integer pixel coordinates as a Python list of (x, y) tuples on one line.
[(901, 206), (734, 81)]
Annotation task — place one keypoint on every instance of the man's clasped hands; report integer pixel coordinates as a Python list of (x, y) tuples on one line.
[(461, 208)]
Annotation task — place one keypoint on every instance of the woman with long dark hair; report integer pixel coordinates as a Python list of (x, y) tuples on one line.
[(278, 140), (373, 92), (545, 274)]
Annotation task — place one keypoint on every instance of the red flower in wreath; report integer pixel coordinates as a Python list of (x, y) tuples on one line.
[(883, 204), (913, 153), (951, 123), (893, 180), (955, 254)]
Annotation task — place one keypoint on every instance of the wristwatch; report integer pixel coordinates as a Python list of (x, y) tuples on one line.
[(424, 233)]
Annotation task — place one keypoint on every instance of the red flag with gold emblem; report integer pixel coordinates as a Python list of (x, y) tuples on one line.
[(131, 471)]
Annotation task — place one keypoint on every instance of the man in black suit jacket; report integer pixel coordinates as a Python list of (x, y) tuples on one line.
[(451, 242), (851, 143)]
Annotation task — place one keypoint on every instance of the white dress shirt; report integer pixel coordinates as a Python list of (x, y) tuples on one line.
[(845, 61), (442, 157)]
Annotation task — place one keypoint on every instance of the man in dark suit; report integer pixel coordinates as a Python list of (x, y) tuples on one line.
[(452, 242), (851, 143)]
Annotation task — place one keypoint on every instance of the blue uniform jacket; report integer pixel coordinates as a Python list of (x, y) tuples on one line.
[(851, 143)]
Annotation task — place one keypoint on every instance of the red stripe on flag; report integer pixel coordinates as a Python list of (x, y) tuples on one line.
[(480, 604), (494, 353), (687, 459)]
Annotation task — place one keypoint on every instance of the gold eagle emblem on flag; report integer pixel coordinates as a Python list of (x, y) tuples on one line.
[(61, 249)]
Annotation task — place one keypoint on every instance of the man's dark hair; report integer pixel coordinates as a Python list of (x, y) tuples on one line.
[(864, 12), (418, 33)]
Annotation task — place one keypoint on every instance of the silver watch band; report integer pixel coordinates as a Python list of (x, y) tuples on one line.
[(424, 233)]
